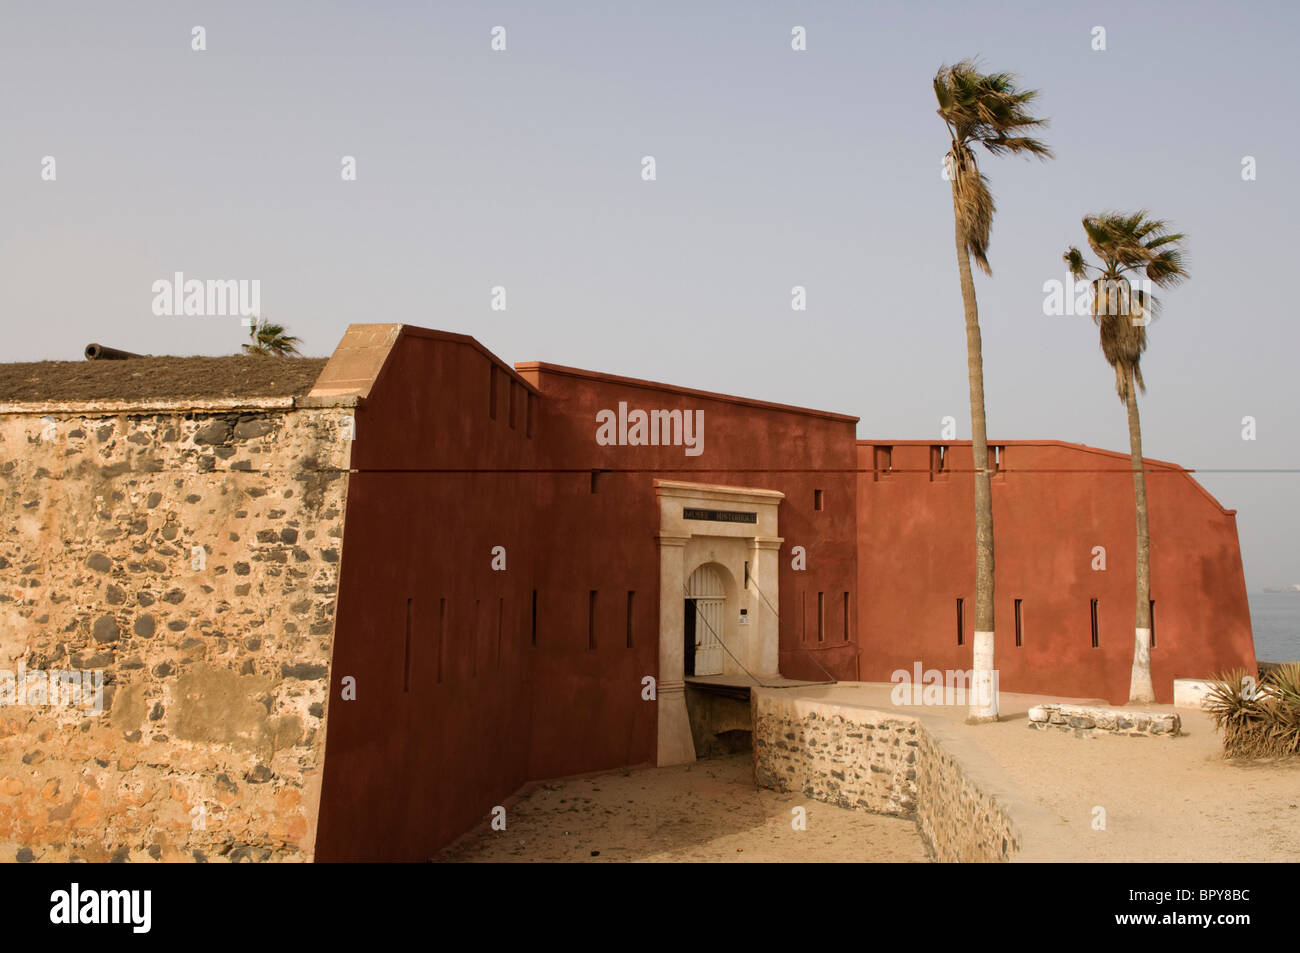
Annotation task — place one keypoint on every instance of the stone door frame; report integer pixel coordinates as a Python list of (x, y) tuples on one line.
[(685, 545)]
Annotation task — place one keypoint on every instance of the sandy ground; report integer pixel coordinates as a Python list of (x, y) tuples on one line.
[(708, 811), (1165, 799)]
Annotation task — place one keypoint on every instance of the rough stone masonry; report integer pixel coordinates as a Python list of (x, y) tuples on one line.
[(190, 552), (882, 762)]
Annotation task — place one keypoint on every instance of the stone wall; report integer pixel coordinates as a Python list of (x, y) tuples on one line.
[(881, 762), (1085, 720), (190, 555)]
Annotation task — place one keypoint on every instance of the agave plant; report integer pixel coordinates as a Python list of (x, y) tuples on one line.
[(1283, 684), (1259, 718)]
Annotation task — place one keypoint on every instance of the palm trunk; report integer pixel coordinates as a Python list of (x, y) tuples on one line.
[(984, 703), (1140, 690)]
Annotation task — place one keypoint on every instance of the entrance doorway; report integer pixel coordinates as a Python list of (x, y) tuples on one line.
[(718, 554), (688, 644), (705, 599)]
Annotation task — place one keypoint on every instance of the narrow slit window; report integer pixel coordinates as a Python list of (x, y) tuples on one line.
[(1095, 641), (595, 481), (1020, 630), (846, 617), (492, 391), (961, 623), (631, 600), (821, 617), (818, 499), (1153, 623), (473, 642), (591, 619), (514, 390), (406, 656), (442, 634)]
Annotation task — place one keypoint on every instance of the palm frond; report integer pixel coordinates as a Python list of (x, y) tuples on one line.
[(1167, 268), (1130, 245), (974, 206), (271, 339), (988, 108), (1075, 262)]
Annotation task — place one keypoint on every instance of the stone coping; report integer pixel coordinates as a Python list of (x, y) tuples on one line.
[(170, 405)]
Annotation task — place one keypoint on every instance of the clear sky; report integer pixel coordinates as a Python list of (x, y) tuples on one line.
[(775, 168)]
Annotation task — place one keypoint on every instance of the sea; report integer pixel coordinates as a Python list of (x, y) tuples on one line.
[(1275, 617)]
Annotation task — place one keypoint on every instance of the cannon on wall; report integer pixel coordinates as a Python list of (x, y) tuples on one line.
[(98, 352)]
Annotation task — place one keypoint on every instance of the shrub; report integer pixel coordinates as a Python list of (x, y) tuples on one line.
[(1259, 717)]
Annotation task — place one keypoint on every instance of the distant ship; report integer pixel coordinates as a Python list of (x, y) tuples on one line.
[(1295, 587)]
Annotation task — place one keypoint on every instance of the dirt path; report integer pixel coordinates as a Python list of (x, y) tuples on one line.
[(708, 811), (1163, 800)]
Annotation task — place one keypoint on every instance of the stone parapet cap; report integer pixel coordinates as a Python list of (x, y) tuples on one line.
[(95, 408), (717, 491)]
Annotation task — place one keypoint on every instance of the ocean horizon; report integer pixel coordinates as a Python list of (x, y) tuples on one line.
[(1275, 618)]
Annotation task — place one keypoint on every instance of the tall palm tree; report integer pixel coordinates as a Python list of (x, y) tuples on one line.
[(271, 339), (1129, 245), (989, 110)]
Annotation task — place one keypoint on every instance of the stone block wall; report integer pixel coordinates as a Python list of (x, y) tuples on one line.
[(190, 556), (958, 818), (881, 762)]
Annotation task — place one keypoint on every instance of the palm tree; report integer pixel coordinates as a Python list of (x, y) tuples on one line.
[(1128, 245), (986, 109), (271, 339)]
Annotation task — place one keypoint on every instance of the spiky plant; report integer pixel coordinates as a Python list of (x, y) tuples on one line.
[(1258, 718), (1283, 684), (986, 109), (1131, 246), (1234, 703), (271, 339)]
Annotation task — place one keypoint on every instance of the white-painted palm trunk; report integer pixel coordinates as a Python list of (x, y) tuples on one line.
[(1141, 688), (984, 681), (1139, 685)]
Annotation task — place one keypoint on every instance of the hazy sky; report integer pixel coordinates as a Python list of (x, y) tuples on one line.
[(775, 168)]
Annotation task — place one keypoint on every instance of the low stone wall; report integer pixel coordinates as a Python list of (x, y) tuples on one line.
[(886, 763), (1085, 720), (187, 558)]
